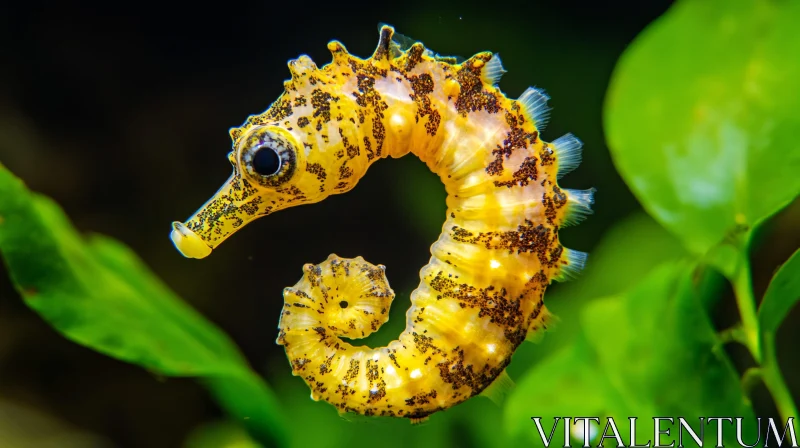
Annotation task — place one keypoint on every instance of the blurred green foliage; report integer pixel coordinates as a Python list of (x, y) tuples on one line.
[(22, 427), (700, 119), (96, 292)]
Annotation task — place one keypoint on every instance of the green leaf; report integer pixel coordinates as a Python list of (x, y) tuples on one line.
[(565, 384), (97, 293), (702, 117), (648, 352), (783, 292), (658, 347)]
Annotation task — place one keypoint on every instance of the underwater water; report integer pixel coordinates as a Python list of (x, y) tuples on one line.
[(120, 115)]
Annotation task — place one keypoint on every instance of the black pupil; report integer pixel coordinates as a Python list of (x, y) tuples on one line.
[(266, 161)]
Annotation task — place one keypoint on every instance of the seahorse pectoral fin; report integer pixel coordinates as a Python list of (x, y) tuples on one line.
[(499, 389)]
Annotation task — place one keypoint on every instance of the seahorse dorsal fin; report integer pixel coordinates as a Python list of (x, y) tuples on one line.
[(534, 104), (419, 421), (493, 70), (579, 205), (400, 42), (568, 153), (499, 389), (544, 321), (573, 262)]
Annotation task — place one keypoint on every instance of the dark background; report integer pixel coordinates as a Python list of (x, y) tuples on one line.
[(120, 113)]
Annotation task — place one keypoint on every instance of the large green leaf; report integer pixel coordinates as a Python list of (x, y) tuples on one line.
[(97, 293), (567, 383), (702, 117), (783, 292), (648, 352), (657, 345)]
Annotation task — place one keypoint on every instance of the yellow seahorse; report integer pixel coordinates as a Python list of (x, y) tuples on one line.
[(481, 293)]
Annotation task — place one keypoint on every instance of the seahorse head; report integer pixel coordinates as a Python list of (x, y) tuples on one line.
[(309, 144)]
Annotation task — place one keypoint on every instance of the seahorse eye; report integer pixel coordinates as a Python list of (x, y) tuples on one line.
[(266, 161), (268, 156)]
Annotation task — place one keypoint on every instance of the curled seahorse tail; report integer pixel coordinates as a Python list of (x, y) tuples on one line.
[(427, 369), (347, 296), (338, 298)]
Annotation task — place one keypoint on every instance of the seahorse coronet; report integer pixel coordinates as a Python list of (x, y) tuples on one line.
[(482, 292)]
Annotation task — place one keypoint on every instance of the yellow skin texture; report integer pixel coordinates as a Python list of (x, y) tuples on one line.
[(481, 293)]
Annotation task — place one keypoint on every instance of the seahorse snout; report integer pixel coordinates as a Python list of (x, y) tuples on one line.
[(188, 243)]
